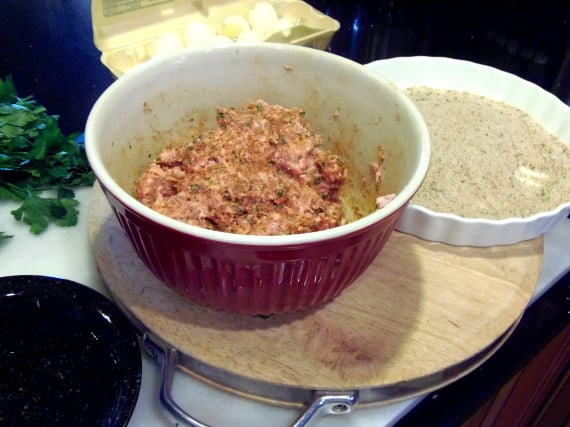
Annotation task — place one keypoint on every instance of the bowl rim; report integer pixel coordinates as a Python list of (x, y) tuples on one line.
[(448, 227), (109, 184)]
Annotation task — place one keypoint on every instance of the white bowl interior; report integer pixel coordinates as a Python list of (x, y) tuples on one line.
[(175, 97)]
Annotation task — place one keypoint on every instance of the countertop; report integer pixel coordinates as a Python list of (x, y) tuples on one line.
[(47, 46), (67, 253)]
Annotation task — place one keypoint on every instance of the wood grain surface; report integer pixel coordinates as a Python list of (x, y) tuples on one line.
[(420, 308)]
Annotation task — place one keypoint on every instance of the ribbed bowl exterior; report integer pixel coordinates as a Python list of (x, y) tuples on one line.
[(168, 99), (253, 280)]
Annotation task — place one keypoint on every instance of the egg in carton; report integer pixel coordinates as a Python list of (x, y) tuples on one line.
[(130, 36)]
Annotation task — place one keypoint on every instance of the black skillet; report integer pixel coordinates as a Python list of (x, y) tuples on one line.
[(68, 355)]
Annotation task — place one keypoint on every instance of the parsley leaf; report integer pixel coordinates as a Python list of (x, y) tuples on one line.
[(38, 211), (36, 156)]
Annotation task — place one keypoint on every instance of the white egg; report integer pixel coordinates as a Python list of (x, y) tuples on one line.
[(233, 26), (283, 25), (250, 37), (198, 33), (262, 18)]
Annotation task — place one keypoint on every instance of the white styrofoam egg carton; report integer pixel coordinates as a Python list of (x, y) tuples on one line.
[(129, 33)]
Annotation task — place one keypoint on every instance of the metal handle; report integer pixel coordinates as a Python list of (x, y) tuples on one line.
[(327, 403), (167, 358), (323, 402)]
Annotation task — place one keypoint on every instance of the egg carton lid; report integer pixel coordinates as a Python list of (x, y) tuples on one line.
[(119, 23)]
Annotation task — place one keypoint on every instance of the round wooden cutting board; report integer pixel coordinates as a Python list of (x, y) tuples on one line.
[(421, 308)]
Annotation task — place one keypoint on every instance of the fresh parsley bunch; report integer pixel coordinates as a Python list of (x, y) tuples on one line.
[(38, 163)]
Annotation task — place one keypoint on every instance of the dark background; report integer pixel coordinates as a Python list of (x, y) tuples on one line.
[(47, 45), (530, 39)]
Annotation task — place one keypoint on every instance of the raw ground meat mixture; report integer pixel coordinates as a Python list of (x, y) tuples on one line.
[(262, 171)]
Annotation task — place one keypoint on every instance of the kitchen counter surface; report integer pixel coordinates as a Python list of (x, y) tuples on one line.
[(47, 46), (67, 253)]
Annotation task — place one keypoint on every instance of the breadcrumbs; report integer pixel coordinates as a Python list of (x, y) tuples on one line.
[(489, 159)]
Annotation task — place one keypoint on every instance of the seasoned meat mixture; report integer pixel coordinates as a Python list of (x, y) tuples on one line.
[(263, 171)]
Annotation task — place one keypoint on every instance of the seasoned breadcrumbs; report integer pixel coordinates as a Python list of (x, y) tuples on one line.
[(489, 160)]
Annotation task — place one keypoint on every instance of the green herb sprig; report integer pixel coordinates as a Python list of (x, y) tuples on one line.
[(37, 158)]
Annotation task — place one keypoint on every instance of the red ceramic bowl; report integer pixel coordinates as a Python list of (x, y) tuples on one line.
[(358, 110)]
